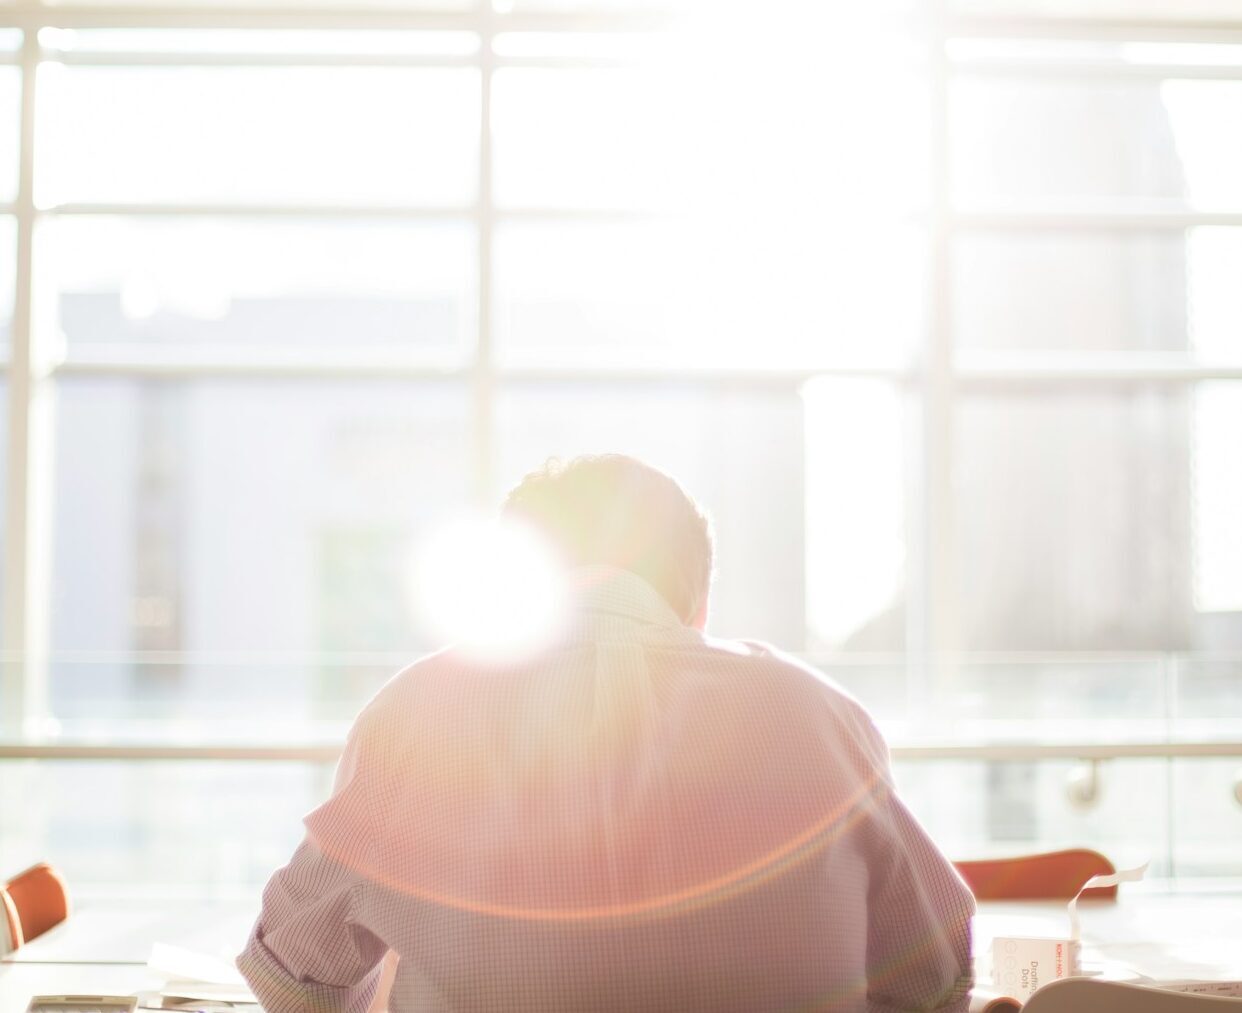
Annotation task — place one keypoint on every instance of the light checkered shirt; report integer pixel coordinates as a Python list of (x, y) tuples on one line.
[(643, 819)]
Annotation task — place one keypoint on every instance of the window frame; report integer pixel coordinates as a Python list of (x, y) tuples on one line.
[(940, 375)]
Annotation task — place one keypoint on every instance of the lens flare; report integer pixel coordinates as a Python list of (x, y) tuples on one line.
[(492, 588)]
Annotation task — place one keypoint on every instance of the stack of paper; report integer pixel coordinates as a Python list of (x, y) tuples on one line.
[(197, 977)]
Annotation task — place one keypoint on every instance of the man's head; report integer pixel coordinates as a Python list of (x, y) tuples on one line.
[(613, 510)]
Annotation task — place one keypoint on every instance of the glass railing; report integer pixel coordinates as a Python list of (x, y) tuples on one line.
[(193, 772)]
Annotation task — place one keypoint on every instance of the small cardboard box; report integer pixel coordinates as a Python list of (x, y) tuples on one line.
[(1021, 965)]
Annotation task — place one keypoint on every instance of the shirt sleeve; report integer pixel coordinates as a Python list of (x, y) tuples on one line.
[(918, 913), (310, 950)]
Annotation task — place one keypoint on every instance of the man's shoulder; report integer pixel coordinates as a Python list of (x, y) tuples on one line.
[(805, 690), (786, 668), (395, 698)]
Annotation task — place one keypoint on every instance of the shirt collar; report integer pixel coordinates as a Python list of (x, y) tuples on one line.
[(606, 589)]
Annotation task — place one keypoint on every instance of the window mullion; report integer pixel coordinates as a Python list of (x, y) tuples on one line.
[(27, 557), (484, 365)]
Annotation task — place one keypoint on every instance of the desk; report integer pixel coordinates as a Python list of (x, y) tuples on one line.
[(18, 982), (123, 934), (1160, 936), (104, 948)]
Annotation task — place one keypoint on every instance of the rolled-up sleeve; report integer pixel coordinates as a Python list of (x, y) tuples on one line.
[(310, 950), (918, 909), (918, 915)]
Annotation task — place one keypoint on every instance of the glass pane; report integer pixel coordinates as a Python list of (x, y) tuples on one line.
[(271, 524), (1207, 816), (583, 138), (10, 120), (1207, 793), (4, 475), (825, 123), (1211, 158), (764, 295), (1214, 297), (1101, 521), (1216, 490), (810, 111), (978, 810), (856, 452), (1047, 701), (1173, 291), (139, 827), (576, 294), (740, 455), (273, 134), (1010, 699), (1206, 704), (163, 695), (790, 245), (1074, 521), (1048, 138), (1076, 292), (204, 287)]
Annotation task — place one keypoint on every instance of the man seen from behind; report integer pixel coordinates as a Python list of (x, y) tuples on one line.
[(636, 817)]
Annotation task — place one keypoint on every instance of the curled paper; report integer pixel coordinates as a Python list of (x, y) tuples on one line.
[(1109, 879)]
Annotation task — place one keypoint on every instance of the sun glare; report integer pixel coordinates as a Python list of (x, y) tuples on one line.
[(492, 588)]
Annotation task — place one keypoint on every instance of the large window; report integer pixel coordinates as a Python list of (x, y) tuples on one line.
[(934, 307)]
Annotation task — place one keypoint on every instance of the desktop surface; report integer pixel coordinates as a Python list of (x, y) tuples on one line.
[(103, 947)]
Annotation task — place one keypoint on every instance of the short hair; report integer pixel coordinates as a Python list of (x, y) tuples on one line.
[(614, 510)]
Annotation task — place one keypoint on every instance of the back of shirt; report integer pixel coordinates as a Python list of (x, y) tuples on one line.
[(641, 819)]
